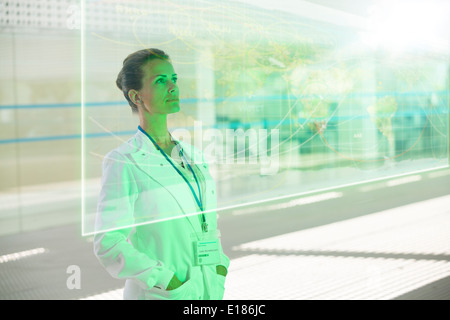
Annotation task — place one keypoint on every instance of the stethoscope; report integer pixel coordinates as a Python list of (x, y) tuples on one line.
[(198, 199)]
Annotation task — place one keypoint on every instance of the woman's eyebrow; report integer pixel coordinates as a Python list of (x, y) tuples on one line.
[(164, 75)]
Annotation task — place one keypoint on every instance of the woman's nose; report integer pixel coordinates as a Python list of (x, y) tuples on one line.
[(173, 87)]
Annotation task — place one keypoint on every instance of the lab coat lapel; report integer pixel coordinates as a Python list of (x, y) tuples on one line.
[(195, 158), (152, 163), (148, 158), (209, 197)]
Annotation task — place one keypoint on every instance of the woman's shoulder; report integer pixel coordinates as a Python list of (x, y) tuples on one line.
[(131, 146)]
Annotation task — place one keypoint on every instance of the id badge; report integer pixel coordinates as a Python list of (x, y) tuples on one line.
[(207, 249)]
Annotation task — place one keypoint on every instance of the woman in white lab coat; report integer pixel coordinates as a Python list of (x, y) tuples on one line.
[(156, 224)]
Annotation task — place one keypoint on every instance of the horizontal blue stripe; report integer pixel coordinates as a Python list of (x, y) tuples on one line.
[(229, 99), (66, 137), (230, 125), (62, 105)]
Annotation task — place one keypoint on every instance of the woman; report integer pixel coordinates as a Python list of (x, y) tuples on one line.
[(156, 221)]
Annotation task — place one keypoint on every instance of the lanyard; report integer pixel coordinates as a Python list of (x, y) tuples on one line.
[(199, 199)]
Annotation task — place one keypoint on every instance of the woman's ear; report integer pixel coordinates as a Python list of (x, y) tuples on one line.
[(134, 97)]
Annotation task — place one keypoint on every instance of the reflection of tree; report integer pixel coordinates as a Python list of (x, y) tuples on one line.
[(381, 114), (316, 109), (245, 68), (316, 88)]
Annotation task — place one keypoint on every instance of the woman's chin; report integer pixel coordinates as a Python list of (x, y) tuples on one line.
[(175, 108)]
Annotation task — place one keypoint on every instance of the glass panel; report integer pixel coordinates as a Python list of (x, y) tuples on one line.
[(284, 98)]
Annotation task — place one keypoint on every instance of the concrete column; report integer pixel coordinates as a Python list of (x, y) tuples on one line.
[(206, 110)]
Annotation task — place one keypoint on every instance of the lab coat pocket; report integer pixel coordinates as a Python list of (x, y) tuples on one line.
[(175, 294), (180, 293), (189, 290)]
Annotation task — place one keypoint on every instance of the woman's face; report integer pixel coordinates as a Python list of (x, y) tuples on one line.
[(159, 93)]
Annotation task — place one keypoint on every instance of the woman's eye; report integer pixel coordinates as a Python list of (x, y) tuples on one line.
[(160, 80), (175, 80)]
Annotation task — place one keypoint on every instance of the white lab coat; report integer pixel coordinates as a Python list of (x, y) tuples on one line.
[(140, 186)]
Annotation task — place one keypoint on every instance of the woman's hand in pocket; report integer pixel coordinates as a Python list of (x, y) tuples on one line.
[(174, 283), (221, 270)]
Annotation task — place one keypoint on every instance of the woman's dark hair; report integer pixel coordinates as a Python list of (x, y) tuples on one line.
[(130, 77)]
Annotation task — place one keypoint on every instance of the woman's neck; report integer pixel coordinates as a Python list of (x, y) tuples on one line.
[(156, 127)]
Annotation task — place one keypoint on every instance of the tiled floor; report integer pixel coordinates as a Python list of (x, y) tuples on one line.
[(380, 256)]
